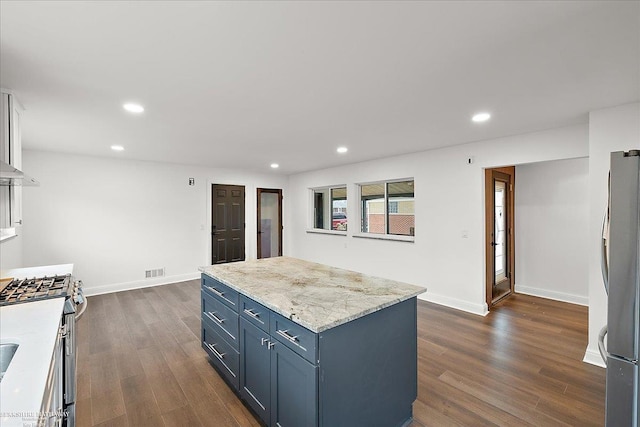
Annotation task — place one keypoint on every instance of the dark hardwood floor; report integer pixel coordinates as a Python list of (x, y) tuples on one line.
[(140, 364)]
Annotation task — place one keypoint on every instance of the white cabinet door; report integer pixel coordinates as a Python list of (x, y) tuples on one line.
[(11, 153), (5, 193), (4, 128), (16, 160)]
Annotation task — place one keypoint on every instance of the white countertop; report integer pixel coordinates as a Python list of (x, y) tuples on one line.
[(40, 271), (34, 326), (316, 296)]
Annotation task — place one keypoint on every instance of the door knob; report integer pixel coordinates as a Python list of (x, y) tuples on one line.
[(494, 244)]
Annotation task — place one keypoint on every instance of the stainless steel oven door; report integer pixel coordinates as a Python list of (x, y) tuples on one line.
[(70, 359)]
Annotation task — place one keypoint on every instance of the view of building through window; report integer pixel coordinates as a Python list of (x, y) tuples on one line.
[(399, 216), (339, 209)]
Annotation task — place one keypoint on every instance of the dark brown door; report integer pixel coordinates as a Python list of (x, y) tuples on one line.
[(269, 222), (227, 223), (500, 239)]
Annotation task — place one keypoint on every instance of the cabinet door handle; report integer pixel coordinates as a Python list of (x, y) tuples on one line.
[(263, 340), (284, 334), (213, 316), (270, 345), (216, 352)]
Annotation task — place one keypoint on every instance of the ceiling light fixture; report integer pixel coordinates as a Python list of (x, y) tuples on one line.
[(117, 148), (481, 117), (133, 108), (342, 150), (275, 165)]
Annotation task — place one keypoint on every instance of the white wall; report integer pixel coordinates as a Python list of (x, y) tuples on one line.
[(611, 129), (114, 218), (552, 225), (449, 199)]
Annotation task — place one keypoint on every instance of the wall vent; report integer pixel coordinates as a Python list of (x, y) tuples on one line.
[(154, 273)]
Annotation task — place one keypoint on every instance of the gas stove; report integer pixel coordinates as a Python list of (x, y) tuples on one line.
[(36, 289)]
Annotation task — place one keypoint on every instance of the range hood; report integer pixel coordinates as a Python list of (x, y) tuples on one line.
[(12, 176)]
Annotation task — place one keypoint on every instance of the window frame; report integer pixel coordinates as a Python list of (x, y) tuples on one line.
[(312, 214), (361, 205)]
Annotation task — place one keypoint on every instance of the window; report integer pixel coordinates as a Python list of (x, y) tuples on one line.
[(330, 208), (388, 208)]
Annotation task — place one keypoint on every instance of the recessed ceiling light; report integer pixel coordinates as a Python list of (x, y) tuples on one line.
[(117, 148), (342, 150), (481, 117), (133, 108), (275, 165)]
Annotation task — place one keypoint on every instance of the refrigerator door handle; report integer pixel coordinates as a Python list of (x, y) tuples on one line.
[(604, 262), (601, 347)]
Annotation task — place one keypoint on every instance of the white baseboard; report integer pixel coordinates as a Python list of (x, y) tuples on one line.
[(593, 357), (558, 296), (469, 307), (137, 284)]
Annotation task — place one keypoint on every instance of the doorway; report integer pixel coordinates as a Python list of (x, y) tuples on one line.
[(269, 222), (227, 223), (499, 231)]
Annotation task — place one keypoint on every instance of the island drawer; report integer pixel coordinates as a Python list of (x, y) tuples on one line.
[(222, 317), (220, 291), (297, 338), (223, 356), (254, 312)]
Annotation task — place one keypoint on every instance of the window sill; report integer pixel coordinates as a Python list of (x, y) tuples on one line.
[(321, 231), (398, 238)]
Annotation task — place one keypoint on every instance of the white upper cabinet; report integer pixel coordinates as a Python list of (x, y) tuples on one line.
[(11, 163)]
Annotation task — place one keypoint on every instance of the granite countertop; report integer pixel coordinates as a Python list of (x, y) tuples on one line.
[(34, 326), (316, 296)]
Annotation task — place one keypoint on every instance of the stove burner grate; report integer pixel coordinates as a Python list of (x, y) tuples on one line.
[(34, 289)]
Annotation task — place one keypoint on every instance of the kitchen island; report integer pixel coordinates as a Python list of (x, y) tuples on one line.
[(305, 344)]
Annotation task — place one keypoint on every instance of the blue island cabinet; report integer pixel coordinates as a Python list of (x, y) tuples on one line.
[(279, 385), (359, 373)]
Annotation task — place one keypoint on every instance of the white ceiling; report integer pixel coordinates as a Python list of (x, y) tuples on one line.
[(246, 84)]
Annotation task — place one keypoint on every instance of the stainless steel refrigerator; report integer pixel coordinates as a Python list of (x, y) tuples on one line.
[(621, 271)]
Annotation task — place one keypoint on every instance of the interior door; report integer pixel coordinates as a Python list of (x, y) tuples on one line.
[(500, 239), (269, 222), (227, 223)]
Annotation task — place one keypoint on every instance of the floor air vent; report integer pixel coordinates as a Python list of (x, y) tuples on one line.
[(154, 273)]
